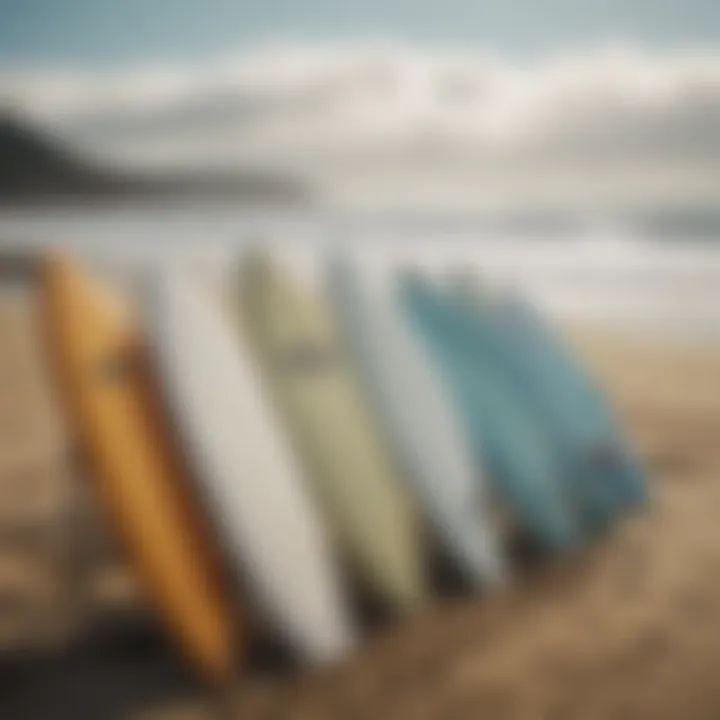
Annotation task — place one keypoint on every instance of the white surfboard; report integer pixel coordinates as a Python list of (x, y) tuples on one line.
[(247, 474), (414, 413)]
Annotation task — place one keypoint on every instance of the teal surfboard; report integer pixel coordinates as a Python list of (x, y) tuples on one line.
[(608, 475), (504, 436), (494, 333)]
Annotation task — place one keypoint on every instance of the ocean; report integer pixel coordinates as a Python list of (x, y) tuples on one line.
[(618, 275)]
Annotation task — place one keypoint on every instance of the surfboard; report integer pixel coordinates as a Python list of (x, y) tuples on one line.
[(586, 456), (248, 476), (575, 406), (416, 415), (101, 366), (324, 412), (504, 438)]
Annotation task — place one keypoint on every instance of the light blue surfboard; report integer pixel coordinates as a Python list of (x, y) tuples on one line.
[(503, 435), (494, 334), (595, 446)]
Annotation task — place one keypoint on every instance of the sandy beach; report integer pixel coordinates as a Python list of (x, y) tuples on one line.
[(624, 630)]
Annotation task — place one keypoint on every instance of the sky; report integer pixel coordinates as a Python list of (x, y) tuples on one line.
[(111, 32), (521, 102)]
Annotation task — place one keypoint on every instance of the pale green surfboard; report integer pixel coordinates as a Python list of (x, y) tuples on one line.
[(320, 404)]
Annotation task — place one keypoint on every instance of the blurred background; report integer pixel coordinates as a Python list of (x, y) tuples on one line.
[(566, 150), (132, 124)]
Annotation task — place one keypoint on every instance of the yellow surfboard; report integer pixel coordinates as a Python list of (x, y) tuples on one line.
[(106, 385)]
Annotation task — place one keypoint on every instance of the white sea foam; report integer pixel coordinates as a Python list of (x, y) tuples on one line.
[(607, 275)]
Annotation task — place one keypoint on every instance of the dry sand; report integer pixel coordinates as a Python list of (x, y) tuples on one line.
[(628, 629)]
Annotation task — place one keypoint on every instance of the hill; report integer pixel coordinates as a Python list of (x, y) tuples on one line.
[(37, 168)]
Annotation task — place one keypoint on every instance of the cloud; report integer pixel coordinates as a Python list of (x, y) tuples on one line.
[(619, 119)]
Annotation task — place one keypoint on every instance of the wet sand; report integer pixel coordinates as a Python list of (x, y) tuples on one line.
[(627, 629)]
